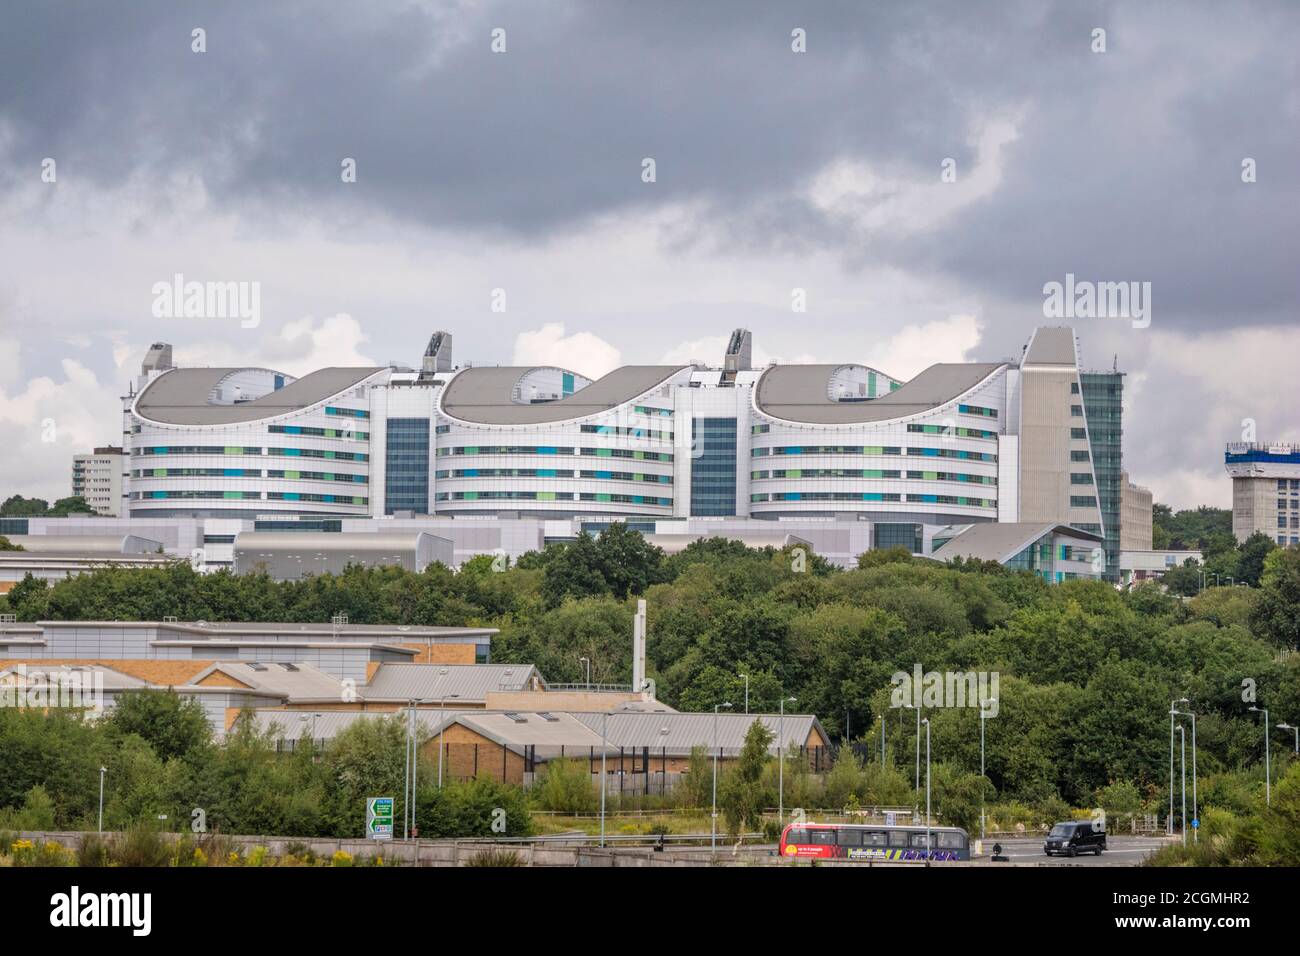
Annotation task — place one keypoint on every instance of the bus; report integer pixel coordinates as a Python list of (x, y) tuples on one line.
[(867, 841)]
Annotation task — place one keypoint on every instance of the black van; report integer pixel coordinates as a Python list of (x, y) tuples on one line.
[(1074, 838)]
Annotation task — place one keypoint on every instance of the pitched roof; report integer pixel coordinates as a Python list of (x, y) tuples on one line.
[(436, 682), (677, 733), (295, 682), (1001, 541)]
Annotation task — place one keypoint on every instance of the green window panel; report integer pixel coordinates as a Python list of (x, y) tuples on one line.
[(545, 496), (234, 450)]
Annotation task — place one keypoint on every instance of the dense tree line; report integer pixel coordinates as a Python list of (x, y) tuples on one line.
[(1086, 672)]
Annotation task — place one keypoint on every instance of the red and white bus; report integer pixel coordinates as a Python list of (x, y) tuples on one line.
[(868, 841)]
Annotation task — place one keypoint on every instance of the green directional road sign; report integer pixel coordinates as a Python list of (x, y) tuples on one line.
[(379, 818)]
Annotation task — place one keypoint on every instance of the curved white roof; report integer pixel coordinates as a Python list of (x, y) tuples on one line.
[(182, 396), (483, 396)]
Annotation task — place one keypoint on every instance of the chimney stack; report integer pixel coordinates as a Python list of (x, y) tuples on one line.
[(638, 648)]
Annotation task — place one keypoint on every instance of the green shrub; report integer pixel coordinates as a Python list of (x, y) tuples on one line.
[(495, 857), (141, 845)]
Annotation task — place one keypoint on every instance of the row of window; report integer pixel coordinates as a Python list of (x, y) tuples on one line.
[(318, 432), (247, 473), (553, 473), (323, 453), (957, 431), (347, 412), (247, 496), (872, 473), (651, 410), (1295, 484), (978, 410), (873, 496), (635, 454), (627, 431), (553, 496), (882, 450)]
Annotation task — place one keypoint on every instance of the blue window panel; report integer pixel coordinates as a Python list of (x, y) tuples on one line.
[(545, 450), (291, 496), (471, 472), (233, 472), (545, 472)]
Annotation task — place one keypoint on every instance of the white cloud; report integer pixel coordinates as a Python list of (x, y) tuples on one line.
[(916, 347), (580, 352), (711, 349), (874, 199)]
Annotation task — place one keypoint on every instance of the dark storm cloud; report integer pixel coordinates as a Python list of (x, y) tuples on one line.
[(1126, 165)]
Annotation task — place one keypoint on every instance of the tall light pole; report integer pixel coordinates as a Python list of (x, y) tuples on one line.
[(745, 677), (780, 762), (603, 737), (1169, 822), (928, 854), (983, 717), (408, 786), (1285, 726), (917, 787), (1268, 775), (1182, 737), (882, 741), (1196, 817), (587, 661), (713, 839), (102, 771), (442, 725)]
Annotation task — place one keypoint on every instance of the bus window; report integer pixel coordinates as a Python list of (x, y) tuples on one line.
[(821, 837), (797, 836), (875, 838), (898, 838), (850, 837), (951, 841), (918, 840)]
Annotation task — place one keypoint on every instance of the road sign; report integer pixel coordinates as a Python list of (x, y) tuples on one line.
[(1196, 824), (379, 818)]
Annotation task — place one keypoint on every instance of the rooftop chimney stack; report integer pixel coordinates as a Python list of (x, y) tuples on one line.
[(638, 649), (437, 357)]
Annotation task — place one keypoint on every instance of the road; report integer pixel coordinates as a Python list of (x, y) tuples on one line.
[(1121, 851)]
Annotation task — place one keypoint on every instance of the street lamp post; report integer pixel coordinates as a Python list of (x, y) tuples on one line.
[(983, 717), (928, 853), (1196, 816), (603, 737), (713, 838), (408, 791), (1169, 822), (882, 741), (442, 725), (587, 661), (102, 771), (1182, 738), (780, 762), (745, 677), (1268, 774), (917, 786), (1292, 727)]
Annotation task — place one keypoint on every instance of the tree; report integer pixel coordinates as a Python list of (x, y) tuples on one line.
[(1253, 551), (741, 794), (7, 545), (627, 561), (1276, 614), (172, 725), (574, 573)]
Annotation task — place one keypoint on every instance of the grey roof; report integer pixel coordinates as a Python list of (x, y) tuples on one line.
[(1051, 346), (1001, 541), (85, 543), (675, 543), (180, 397), (546, 732), (343, 541), (434, 682), (483, 395), (49, 675), (799, 393), (684, 731), (225, 630), (296, 682)]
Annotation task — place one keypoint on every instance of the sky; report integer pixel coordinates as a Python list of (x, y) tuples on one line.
[(915, 173)]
